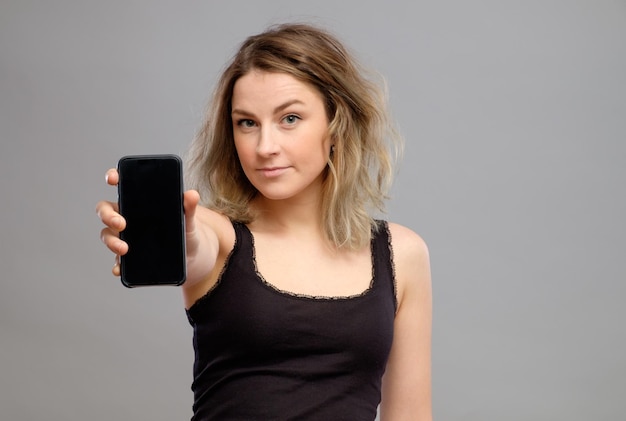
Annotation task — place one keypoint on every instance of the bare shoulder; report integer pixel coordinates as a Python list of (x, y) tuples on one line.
[(216, 224), (411, 260), (211, 217), (407, 241), (409, 249)]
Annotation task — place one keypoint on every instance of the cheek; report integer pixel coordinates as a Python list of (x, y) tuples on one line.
[(325, 147), (243, 152)]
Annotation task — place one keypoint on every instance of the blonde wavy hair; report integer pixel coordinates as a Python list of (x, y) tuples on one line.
[(360, 169)]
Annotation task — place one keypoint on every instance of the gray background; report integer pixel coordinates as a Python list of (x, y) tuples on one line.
[(515, 119)]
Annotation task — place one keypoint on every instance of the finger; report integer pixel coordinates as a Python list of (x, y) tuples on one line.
[(108, 214), (113, 242), (112, 177), (116, 267)]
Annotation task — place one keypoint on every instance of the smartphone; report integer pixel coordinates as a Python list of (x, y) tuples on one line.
[(150, 198)]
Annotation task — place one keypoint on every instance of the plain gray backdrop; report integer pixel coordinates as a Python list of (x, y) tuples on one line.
[(514, 114)]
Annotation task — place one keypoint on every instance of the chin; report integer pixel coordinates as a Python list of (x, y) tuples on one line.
[(275, 196)]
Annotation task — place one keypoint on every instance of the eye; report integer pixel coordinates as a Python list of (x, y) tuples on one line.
[(291, 119), (246, 123)]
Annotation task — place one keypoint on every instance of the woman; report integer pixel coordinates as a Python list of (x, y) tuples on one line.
[(303, 306)]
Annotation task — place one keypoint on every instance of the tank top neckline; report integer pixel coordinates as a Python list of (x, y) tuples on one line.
[(301, 296), (378, 268)]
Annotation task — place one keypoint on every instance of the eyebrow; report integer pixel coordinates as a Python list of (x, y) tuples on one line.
[(276, 110)]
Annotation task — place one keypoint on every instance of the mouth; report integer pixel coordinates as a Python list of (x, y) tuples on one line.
[(271, 172)]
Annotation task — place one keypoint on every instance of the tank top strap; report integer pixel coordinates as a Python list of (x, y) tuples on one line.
[(240, 233), (382, 258), (244, 245)]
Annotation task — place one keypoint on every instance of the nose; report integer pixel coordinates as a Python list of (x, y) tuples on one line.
[(267, 145)]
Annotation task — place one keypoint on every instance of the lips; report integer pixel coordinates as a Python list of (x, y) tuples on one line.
[(271, 172)]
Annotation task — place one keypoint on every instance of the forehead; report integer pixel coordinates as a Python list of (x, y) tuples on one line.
[(259, 86)]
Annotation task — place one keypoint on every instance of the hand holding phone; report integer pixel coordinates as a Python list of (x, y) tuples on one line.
[(150, 196)]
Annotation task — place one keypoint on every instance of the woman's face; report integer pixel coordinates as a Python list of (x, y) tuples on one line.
[(281, 136)]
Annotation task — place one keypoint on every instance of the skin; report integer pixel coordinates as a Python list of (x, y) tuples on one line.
[(280, 129)]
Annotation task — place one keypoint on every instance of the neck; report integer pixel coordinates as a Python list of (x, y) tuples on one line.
[(288, 216)]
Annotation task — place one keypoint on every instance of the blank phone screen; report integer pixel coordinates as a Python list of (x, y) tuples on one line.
[(150, 192)]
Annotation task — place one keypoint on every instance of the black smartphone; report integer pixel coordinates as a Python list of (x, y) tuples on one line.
[(150, 198)]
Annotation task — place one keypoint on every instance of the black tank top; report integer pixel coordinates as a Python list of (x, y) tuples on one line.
[(265, 354)]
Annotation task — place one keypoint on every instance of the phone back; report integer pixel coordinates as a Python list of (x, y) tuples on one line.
[(150, 194)]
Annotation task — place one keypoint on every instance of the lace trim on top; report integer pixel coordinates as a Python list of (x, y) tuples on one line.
[(328, 297), (308, 296), (393, 267)]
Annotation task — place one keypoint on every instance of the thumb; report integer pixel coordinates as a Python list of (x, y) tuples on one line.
[(191, 198)]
